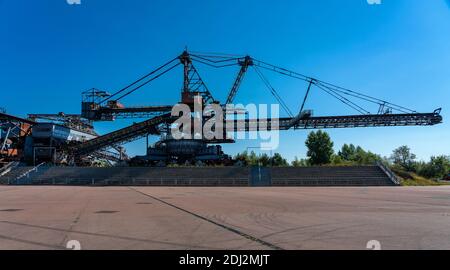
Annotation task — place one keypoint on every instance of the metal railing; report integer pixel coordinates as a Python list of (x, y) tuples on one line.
[(163, 181), (26, 174), (7, 168), (389, 173)]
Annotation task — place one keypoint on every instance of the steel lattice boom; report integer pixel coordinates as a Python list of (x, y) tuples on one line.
[(349, 121), (98, 105), (127, 134), (102, 106)]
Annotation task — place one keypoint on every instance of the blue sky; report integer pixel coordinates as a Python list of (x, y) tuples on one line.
[(397, 51)]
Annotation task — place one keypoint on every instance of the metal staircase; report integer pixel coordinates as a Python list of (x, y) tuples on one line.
[(389, 173), (23, 175)]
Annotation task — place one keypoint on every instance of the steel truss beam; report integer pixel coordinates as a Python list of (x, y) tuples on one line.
[(120, 136), (132, 112), (351, 121)]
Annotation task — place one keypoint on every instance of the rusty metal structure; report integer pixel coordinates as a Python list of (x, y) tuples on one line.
[(99, 105), (13, 131)]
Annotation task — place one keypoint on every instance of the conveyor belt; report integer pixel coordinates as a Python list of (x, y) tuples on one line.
[(8, 117), (127, 134), (352, 121), (149, 126)]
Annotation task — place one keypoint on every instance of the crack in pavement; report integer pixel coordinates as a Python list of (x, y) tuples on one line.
[(30, 242), (230, 229), (104, 235)]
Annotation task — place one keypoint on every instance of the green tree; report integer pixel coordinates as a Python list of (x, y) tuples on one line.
[(403, 157), (242, 157), (363, 157), (347, 152), (337, 160), (320, 147), (253, 159), (263, 160), (438, 167), (299, 162), (278, 161)]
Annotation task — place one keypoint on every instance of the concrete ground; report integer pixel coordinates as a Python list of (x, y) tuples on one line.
[(224, 218)]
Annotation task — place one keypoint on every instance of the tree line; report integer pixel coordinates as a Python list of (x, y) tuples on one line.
[(321, 152)]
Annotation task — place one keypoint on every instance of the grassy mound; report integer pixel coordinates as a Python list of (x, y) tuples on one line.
[(412, 179)]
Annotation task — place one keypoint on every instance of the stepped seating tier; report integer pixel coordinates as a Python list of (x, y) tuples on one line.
[(200, 176), (13, 174), (330, 176)]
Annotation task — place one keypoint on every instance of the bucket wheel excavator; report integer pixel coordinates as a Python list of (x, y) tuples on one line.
[(98, 105)]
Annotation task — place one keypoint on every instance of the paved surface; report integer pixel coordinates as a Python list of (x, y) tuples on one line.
[(224, 218)]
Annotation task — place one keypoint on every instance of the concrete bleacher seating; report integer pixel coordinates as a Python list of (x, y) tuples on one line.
[(14, 174), (330, 176), (200, 176), (226, 176)]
